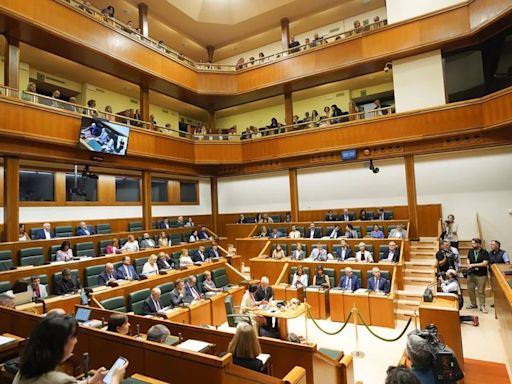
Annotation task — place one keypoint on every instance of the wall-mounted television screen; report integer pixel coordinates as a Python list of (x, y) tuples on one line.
[(104, 136), (349, 154)]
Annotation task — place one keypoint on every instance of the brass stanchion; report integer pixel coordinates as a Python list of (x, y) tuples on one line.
[(415, 318), (306, 319), (357, 353)]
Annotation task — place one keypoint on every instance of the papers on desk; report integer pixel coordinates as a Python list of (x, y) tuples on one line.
[(193, 345), (263, 357), (6, 341), (361, 291)]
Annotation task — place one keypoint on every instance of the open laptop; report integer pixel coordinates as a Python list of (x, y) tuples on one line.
[(22, 298), (82, 315)]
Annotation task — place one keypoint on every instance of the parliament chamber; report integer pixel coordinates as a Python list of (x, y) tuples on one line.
[(335, 174)]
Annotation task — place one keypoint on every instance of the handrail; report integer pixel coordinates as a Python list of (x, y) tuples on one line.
[(480, 232)]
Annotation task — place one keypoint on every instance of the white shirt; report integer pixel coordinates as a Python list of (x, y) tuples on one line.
[(367, 257), (131, 246), (47, 234), (294, 234), (149, 269), (185, 260), (300, 281)]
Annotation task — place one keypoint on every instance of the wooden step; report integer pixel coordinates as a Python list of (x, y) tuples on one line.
[(422, 251), (411, 292), (420, 272), (422, 262), (417, 280)]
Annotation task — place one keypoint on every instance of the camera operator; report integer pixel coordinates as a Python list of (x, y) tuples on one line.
[(420, 353), (478, 259), (448, 257), (450, 229), (451, 285)]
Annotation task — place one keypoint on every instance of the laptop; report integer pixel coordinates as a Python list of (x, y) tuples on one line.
[(22, 298), (82, 315)]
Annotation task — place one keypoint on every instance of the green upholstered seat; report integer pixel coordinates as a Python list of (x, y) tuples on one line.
[(388, 215), (103, 246), (369, 228), (134, 226), (199, 282), (301, 230), (165, 297), (331, 353), (114, 304), (276, 218), (305, 248), (175, 238), (43, 277), (173, 223), (53, 252), (4, 286), (85, 249), (91, 275), (330, 272), (5, 260), (31, 256), (139, 263), (136, 300), (233, 317), (219, 277), (103, 228), (58, 276), (357, 228), (390, 228), (382, 250), (33, 232), (369, 215), (64, 231)]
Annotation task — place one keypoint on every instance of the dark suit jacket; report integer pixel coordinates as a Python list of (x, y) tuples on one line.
[(196, 257), (355, 283), (148, 307), (161, 225), (103, 278), (396, 255), (276, 235), (348, 254), (81, 232), (176, 299), (338, 232), (261, 295), (212, 254), (188, 293), (383, 284), (203, 235), (161, 265), (145, 244), (121, 273), (62, 287), (40, 234), (317, 234)]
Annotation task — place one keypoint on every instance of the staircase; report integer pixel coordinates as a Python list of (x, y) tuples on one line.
[(419, 272)]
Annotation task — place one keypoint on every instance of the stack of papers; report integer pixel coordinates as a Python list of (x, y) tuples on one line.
[(194, 345), (6, 341)]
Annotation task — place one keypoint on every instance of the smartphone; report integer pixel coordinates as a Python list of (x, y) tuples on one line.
[(118, 364)]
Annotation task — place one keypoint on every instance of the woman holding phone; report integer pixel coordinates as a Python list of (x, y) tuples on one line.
[(51, 343)]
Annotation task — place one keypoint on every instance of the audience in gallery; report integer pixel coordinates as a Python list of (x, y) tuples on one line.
[(377, 283), (147, 241), (158, 333), (126, 271), (245, 347), (278, 253), (164, 262), (7, 299), (118, 322), (298, 253), (152, 304), (363, 254), (36, 289), (131, 245), (108, 276), (185, 259), (150, 267), (64, 253), (398, 232), (376, 232), (66, 284), (23, 235), (349, 281), (39, 359), (300, 278), (320, 278), (113, 247)]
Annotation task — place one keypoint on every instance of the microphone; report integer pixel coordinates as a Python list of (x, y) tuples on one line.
[(86, 364), (137, 330)]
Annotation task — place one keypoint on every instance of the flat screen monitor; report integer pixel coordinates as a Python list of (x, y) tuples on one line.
[(103, 136), (350, 154)]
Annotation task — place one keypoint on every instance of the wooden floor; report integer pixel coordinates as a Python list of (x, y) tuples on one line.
[(479, 372)]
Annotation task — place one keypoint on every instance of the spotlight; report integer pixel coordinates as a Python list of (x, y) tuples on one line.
[(373, 168), (388, 67)]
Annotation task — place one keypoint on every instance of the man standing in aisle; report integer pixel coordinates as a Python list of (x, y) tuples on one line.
[(478, 259)]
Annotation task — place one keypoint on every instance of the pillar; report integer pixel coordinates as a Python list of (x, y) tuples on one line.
[(412, 204), (288, 106), (143, 19), (12, 62), (11, 198), (215, 204), (285, 33), (294, 194), (144, 102), (147, 217)]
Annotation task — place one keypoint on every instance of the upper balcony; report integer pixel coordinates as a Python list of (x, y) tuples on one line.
[(62, 29)]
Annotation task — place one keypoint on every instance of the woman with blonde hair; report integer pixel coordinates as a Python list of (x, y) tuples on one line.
[(245, 348), (131, 245), (185, 259), (150, 267)]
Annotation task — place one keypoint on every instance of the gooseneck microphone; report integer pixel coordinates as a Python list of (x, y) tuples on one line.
[(86, 364)]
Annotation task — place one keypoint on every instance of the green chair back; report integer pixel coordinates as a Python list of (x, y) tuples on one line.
[(276, 218), (6, 260), (220, 278), (330, 272), (385, 274), (139, 264), (134, 226), (103, 246), (53, 252), (175, 238), (136, 301), (91, 275), (284, 247), (33, 232), (58, 276), (383, 249), (166, 289), (31, 256), (85, 249), (64, 231), (4, 286), (114, 304), (103, 228), (388, 215)]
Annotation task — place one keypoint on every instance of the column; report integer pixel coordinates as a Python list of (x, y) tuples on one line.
[(211, 121), (285, 33), (294, 194), (146, 201), (11, 198), (215, 204), (11, 62), (210, 50), (288, 106), (412, 204), (143, 19), (144, 102)]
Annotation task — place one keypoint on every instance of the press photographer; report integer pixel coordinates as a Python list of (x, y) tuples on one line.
[(450, 229), (451, 285), (447, 257)]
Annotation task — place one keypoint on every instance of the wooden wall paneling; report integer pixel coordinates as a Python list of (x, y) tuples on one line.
[(60, 188), (484, 11), (215, 204), (412, 205), (1, 185), (107, 189), (11, 198), (428, 217), (12, 62), (173, 192), (503, 304), (146, 200)]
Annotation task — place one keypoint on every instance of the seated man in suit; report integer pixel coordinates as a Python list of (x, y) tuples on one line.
[(378, 283), (200, 255), (275, 234), (393, 253), (127, 271), (164, 262), (46, 233), (312, 232), (203, 234), (380, 214), (335, 232), (180, 221), (345, 252), (350, 232), (152, 304), (164, 224), (108, 275), (36, 289), (398, 233), (178, 293), (158, 333), (349, 282), (264, 292), (66, 284), (319, 253), (214, 252), (331, 216), (298, 254), (191, 292), (84, 230), (147, 242), (345, 216)]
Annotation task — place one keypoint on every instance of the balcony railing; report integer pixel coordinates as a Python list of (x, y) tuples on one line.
[(133, 33)]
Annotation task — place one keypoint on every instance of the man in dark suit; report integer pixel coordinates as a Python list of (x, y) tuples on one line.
[(108, 275), (126, 271), (66, 284), (264, 292), (164, 224), (349, 282), (312, 232), (164, 262), (393, 254), (344, 252), (191, 292), (152, 304), (84, 230), (345, 216), (214, 252), (275, 234), (46, 233), (200, 255), (380, 214), (178, 293), (378, 283), (331, 216), (203, 234), (335, 232), (147, 242)]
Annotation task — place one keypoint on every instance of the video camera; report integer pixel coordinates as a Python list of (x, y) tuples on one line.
[(446, 368)]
